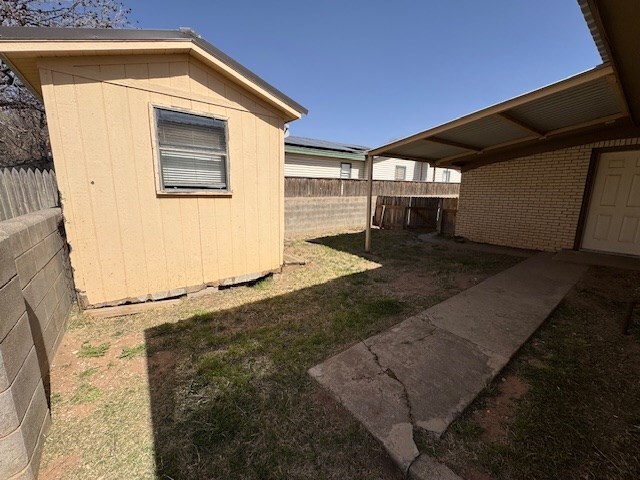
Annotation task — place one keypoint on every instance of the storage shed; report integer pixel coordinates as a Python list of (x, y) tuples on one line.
[(169, 157)]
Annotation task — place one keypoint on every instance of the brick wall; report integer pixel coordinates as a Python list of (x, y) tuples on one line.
[(316, 215), (36, 292), (531, 202)]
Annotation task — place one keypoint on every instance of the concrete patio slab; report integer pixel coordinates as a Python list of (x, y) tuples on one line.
[(425, 371)]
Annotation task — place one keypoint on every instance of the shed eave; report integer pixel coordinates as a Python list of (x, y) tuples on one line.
[(21, 48)]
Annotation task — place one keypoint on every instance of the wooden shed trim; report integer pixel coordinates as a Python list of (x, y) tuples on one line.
[(56, 49)]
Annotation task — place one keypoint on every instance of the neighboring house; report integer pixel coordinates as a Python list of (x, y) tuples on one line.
[(169, 157), (312, 158), (558, 168)]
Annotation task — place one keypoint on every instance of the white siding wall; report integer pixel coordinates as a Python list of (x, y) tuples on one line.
[(385, 169), (454, 176), (298, 165)]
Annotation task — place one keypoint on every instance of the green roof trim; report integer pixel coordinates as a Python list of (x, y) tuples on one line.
[(359, 157)]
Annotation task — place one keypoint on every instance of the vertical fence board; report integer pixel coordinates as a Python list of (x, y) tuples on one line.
[(11, 193), (5, 203), (53, 187), (40, 188), (29, 191), (21, 203), (26, 189)]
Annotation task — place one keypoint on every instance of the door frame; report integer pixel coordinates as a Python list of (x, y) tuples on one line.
[(594, 162)]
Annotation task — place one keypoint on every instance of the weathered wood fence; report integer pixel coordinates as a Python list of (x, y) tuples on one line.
[(26, 189), (337, 187), (432, 213)]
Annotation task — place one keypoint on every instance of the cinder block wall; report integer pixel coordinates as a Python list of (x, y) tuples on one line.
[(36, 292), (531, 202), (316, 215)]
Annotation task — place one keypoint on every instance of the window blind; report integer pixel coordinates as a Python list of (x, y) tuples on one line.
[(192, 149)]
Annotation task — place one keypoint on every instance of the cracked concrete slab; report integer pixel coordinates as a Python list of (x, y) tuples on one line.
[(425, 371), (376, 399), (440, 372)]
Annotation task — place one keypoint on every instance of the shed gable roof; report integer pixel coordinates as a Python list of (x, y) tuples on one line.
[(21, 47)]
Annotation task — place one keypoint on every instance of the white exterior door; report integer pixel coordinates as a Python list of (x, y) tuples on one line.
[(613, 219)]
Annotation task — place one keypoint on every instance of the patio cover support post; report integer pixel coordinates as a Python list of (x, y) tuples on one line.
[(367, 236)]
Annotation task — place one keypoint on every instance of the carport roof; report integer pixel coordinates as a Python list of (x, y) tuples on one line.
[(600, 104), (579, 104)]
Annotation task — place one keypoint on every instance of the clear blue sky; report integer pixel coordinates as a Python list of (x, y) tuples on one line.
[(371, 71)]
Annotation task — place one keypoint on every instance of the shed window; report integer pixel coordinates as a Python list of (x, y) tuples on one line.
[(345, 170), (401, 172), (192, 151), (446, 176)]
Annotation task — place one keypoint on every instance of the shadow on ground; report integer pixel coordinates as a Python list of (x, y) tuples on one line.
[(230, 396)]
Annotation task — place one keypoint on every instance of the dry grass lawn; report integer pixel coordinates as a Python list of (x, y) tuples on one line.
[(216, 386)]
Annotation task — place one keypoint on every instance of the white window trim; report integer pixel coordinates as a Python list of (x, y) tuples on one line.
[(160, 191), (350, 170), (404, 173)]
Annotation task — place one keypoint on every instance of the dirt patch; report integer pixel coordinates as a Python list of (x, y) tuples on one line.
[(60, 468), (405, 284), (471, 473), (161, 362), (465, 280), (499, 409)]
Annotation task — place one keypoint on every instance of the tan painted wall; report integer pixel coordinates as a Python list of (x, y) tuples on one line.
[(531, 202), (126, 241)]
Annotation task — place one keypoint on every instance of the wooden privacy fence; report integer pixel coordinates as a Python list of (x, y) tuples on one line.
[(337, 187), (26, 189), (393, 212)]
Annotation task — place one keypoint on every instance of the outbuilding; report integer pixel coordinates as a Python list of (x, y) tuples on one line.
[(169, 157)]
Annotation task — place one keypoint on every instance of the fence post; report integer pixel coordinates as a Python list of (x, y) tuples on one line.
[(367, 236)]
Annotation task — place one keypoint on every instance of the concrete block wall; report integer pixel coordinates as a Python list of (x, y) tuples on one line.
[(36, 293), (305, 216), (531, 202)]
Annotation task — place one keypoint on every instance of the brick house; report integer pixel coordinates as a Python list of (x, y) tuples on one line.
[(557, 168)]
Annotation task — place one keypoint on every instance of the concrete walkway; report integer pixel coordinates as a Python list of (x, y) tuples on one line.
[(425, 371)]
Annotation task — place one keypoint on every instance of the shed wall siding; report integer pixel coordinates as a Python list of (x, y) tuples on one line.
[(127, 242), (531, 202)]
